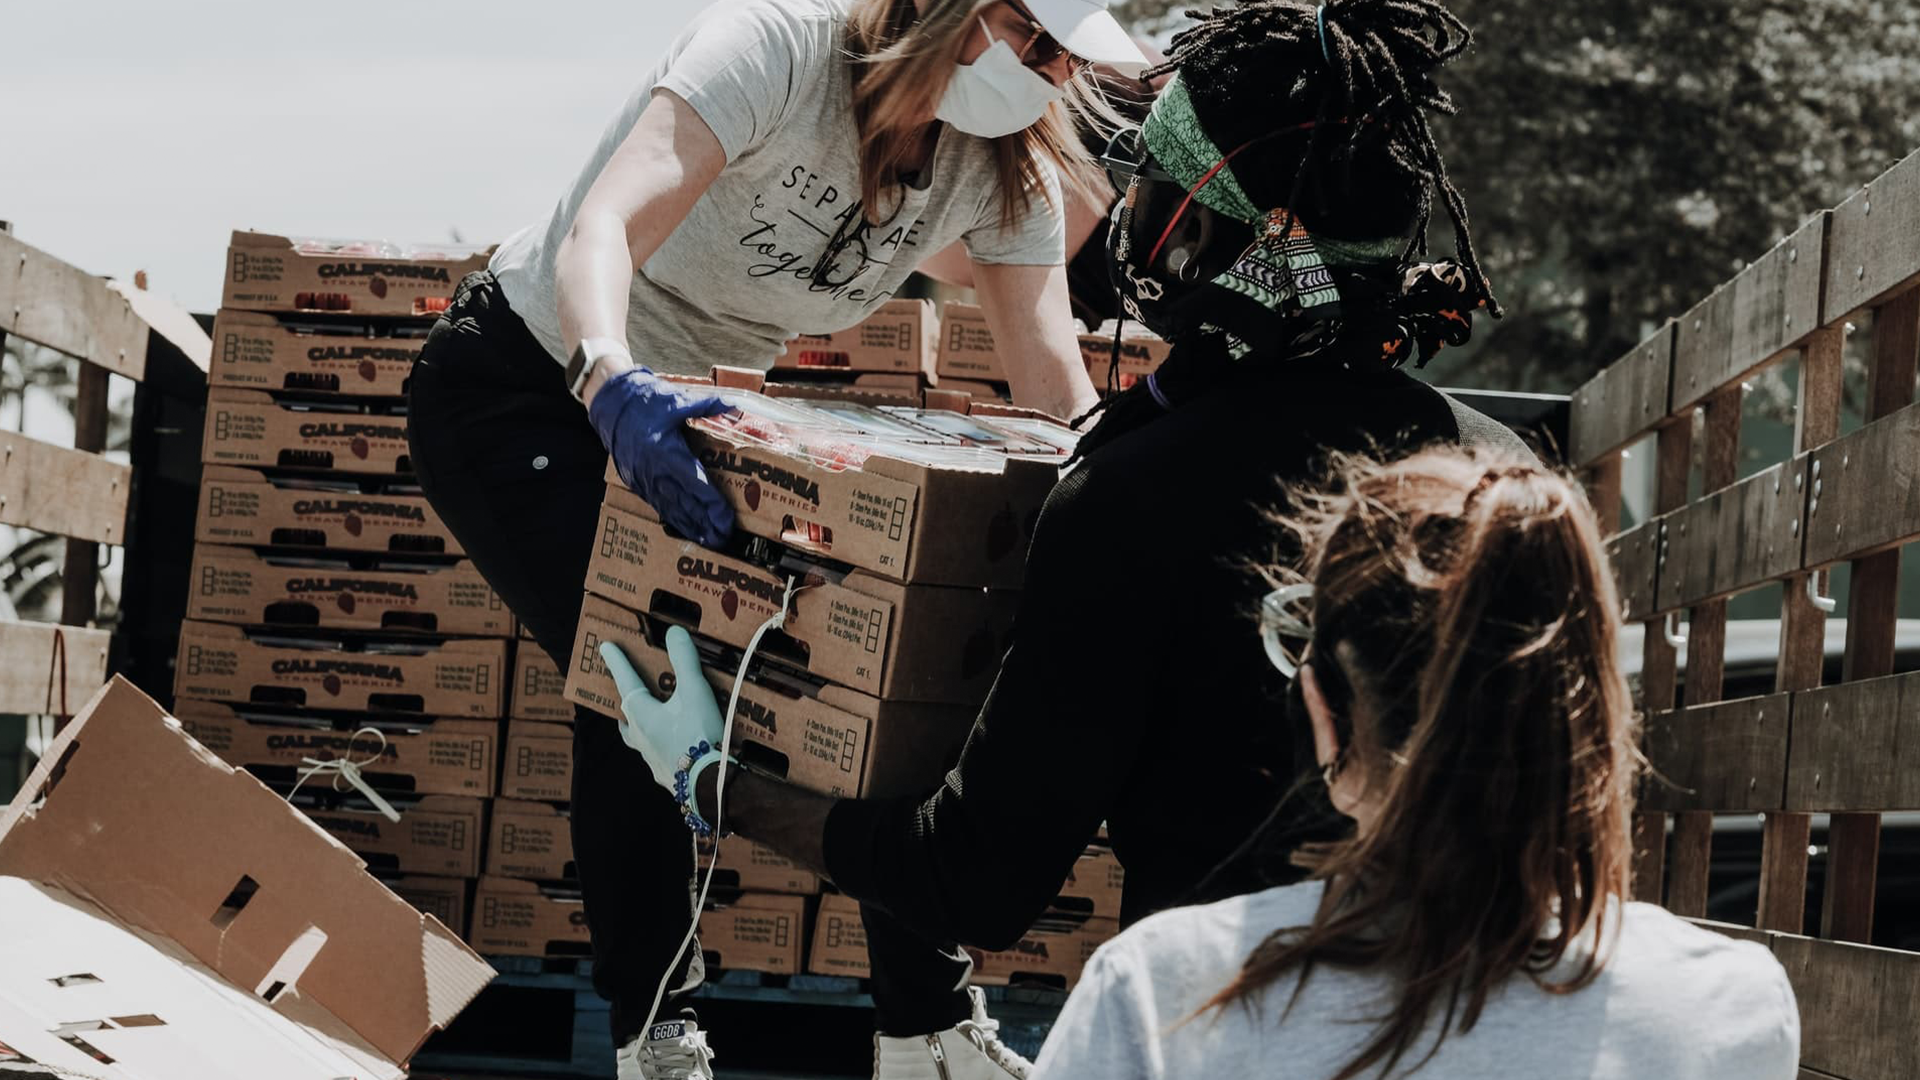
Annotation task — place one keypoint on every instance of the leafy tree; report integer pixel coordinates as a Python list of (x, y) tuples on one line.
[(1623, 159)]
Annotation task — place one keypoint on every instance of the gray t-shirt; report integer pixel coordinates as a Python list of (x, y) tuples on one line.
[(732, 283), (1674, 1002)]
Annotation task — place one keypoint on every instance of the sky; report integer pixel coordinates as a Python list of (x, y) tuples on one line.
[(136, 135)]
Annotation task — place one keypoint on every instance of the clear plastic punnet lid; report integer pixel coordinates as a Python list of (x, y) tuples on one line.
[(385, 249)]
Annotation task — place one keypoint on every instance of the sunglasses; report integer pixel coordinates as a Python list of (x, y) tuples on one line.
[(1126, 159), (1042, 48)]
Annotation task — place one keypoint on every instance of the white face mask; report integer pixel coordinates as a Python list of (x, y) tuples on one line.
[(996, 94)]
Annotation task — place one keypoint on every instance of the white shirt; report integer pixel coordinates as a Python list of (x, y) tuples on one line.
[(732, 283), (1674, 1002)]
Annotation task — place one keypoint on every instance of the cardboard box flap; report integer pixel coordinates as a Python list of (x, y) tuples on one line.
[(118, 812)]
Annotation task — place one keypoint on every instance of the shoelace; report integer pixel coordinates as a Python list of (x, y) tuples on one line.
[(986, 1035), (685, 1058)]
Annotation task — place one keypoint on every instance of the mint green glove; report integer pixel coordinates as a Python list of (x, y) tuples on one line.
[(680, 737)]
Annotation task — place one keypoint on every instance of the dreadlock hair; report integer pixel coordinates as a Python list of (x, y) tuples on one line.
[(1366, 168)]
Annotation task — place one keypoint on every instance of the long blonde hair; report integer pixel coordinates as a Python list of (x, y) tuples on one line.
[(902, 60)]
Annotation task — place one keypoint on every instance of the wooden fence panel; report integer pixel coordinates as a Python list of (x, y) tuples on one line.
[(65, 309), (1856, 747), (1857, 1007), (1729, 756), (1770, 307), (52, 489), (1865, 496), (1635, 555), (1873, 249), (1734, 539), (1623, 401), (34, 656)]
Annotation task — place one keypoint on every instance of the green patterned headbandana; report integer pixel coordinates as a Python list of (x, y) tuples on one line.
[(1180, 144)]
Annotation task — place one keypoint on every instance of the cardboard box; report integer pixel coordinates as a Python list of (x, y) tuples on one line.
[(1141, 353), (985, 391), (241, 506), (966, 345), (756, 932), (1094, 885), (171, 913), (899, 642), (457, 678), (824, 738), (526, 918), (750, 867), (249, 428), (796, 389), (435, 757), (443, 898), (839, 939), (539, 690), (266, 272), (1045, 956), (239, 585), (530, 840), (538, 762), (898, 337), (256, 351), (924, 524), (439, 835)]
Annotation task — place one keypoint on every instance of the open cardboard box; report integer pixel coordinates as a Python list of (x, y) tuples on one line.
[(462, 677), (244, 506), (164, 916), (240, 585), (539, 690), (266, 272), (538, 761), (827, 739), (256, 351), (839, 939), (250, 429), (433, 757), (530, 840), (864, 631), (910, 522), (898, 337)]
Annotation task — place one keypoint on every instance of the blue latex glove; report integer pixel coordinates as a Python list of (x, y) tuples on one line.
[(640, 417), (679, 737)]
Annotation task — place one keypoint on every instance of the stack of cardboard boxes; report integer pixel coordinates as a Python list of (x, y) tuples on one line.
[(968, 360), (888, 357), (903, 533), (330, 613)]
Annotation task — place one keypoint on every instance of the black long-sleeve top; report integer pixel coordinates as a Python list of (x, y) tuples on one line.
[(1136, 690)]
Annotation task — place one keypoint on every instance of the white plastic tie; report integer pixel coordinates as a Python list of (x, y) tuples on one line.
[(1671, 627), (345, 768)]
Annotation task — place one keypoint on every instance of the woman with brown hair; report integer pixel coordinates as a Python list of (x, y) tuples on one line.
[(1453, 636), (781, 169)]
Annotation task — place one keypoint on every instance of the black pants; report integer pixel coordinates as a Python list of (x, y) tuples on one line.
[(507, 457)]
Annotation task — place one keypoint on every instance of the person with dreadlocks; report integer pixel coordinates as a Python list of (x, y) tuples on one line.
[(1277, 198)]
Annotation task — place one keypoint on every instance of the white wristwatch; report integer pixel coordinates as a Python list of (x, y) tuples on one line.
[(586, 356)]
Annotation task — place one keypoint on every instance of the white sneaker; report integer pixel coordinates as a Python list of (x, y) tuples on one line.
[(969, 1050), (670, 1050)]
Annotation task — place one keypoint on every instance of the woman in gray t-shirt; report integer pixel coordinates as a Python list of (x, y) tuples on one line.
[(1453, 640), (780, 170)]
